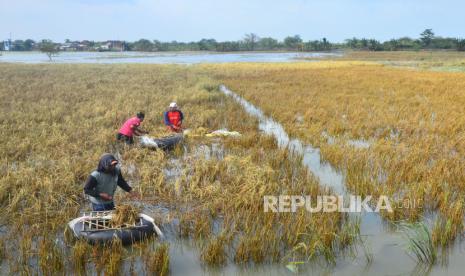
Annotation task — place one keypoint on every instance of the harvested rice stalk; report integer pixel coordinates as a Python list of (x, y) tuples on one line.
[(125, 215)]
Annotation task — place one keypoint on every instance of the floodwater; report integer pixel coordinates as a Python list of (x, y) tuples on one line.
[(326, 174), (158, 57), (383, 242), (184, 252)]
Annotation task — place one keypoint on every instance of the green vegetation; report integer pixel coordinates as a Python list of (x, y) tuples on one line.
[(252, 42), (49, 48), (420, 243)]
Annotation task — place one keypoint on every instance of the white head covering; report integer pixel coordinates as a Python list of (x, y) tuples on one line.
[(173, 104)]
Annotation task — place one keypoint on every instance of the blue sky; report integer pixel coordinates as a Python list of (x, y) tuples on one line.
[(184, 20)]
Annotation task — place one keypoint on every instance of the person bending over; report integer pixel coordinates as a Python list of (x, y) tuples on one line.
[(101, 184), (130, 128)]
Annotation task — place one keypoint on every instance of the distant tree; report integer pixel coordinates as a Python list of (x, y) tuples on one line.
[(352, 43), (312, 46), (326, 45), (250, 41), (406, 43), (193, 46), (426, 37), (317, 45), (363, 43), (143, 45), (173, 45), (221, 47), (228, 46), (49, 48), (28, 44), (460, 44), (443, 43), (293, 42), (156, 45), (17, 45), (207, 44), (374, 45), (391, 45), (267, 43)]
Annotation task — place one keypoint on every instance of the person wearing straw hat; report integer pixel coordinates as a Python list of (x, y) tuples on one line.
[(101, 184), (173, 118)]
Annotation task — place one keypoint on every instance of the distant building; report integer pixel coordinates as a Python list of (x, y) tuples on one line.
[(112, 45), (117, 45), (66, 47), (7, 45), (86, 45), (73, 46), (105, 46)]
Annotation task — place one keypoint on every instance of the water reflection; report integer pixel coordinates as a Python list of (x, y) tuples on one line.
[(157, 57)]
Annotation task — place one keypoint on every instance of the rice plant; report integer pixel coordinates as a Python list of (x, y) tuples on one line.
[(214, 252), (411, 118), (80, 256), (50, 257), (157, 262), (63, 117), (420, 243)]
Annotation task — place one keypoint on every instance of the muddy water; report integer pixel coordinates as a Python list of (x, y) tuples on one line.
[(383, 242)]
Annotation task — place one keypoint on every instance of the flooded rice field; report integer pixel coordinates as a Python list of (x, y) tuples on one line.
[(158, 58), (383, 251), (383, 242), (206, 194)]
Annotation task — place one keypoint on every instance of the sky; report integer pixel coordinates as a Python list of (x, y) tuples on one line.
[(183, 20)]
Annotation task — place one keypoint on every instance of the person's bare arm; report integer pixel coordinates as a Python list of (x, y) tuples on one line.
[(139, 131), (125, 186)]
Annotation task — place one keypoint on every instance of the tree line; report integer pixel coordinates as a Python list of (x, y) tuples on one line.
[(252, 42), (427, 40)]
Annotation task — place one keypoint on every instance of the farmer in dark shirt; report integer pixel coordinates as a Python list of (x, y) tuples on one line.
[(101, 184)]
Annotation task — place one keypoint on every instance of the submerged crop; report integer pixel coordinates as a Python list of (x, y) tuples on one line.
[(63, 117)]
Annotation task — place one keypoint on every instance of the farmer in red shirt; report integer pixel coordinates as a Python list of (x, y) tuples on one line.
[(130, 128), (173, 118)]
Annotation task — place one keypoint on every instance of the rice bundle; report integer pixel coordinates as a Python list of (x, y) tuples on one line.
[(125, 215)]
